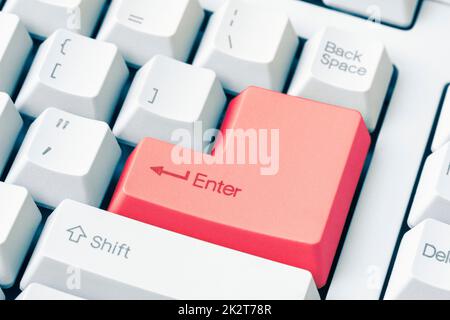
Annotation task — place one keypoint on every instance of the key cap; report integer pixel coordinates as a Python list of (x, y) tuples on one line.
[(143, 28), (15, 46), (66, 156), (248, 45), (442, 134), (264, 204), (343, 69), (421, 267), (37, 291), (19, 219), (168, 95), (396, 12), (432, 198), (118, 258), (43, 17), (76, 74), (10, 125)]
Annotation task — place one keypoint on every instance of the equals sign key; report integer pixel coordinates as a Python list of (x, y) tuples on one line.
[(136, 19)]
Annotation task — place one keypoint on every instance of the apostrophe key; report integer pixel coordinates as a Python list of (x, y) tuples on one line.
[(287, 203), (64, 156)]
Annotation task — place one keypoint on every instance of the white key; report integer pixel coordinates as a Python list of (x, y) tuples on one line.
[(442, 134), (43, 17), (37, 291), (74, 73), (212, 5), (15, 46), (432, 198), (144, 28), (66, 156), (10, 125), (421, 269), (344, 69), (248, 45), (397, 12), (19, 219), (119, 258), (167, 95)]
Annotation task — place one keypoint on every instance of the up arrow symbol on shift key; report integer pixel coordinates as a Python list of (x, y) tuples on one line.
[(76, 233)]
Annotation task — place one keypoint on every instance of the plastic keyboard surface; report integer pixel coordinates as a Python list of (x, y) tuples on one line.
[(89, 113)]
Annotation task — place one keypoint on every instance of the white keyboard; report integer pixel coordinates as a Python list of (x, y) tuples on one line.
[(93, 95)]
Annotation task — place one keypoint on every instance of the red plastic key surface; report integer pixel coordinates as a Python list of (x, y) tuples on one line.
[(294, 217)]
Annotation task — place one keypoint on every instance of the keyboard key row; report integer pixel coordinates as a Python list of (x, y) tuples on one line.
[(156, 105), (421, 265), (66, 74), (93, 254), (42, 18), (432, 198)]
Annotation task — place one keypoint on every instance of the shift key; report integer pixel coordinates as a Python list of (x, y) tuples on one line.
[(93, 254)]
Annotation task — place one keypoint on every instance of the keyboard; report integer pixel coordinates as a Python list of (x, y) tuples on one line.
[(224, 149)]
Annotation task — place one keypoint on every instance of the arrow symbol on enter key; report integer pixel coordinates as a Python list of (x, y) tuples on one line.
[(160, 171)]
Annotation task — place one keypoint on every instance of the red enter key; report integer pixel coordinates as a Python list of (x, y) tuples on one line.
[(279, 185)]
